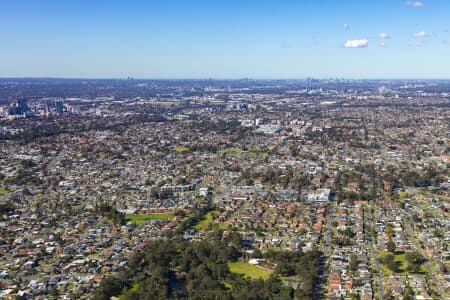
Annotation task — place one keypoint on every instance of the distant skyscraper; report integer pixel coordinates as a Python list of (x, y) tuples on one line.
[(59, 107), (22, 103), (20, 107)]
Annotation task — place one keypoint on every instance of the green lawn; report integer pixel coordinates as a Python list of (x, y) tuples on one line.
[(141, 219), (386, 271), (259, 153), (249, 153), (2, 191), (249, 270), (400, 261), (181, 149), (234, 151), (227, 285), (207, 219), (208, 222), (133, 288)]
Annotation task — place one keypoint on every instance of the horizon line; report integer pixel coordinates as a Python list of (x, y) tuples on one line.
[(228, 78)]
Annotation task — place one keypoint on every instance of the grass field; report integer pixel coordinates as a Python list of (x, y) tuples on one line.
[(249, 270), (386, 271), (249, 153), (181, 149), (133, 288), (227, 285), (234, 151), (259, 153), (207, 219), (141, 219), (2, 191), (400, 261)]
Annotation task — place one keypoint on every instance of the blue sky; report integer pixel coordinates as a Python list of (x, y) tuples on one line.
[(225, 39)]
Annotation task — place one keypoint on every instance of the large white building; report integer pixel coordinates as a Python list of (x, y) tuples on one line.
[(319, 195)]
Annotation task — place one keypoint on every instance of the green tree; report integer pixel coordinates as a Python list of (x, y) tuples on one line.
[(388, 260), (353, 262), (408, 293), (391, 246), (109, 287), (414, 261)]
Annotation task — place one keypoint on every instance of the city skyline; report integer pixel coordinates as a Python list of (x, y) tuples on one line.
[(200, 39)]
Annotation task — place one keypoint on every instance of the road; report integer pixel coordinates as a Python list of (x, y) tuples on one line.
[(430, 271), (322, 278), (379, 272), (375, 256)]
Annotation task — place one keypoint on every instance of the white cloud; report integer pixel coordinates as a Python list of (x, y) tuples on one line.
[(383, 44), (363, 43), (414, 3), (383, 35), (346, 26), (421, 34)]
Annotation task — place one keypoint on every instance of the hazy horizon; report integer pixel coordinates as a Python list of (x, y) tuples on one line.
[(228, 79)]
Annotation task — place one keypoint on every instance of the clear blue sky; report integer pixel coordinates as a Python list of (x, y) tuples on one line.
[(225, 39)]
